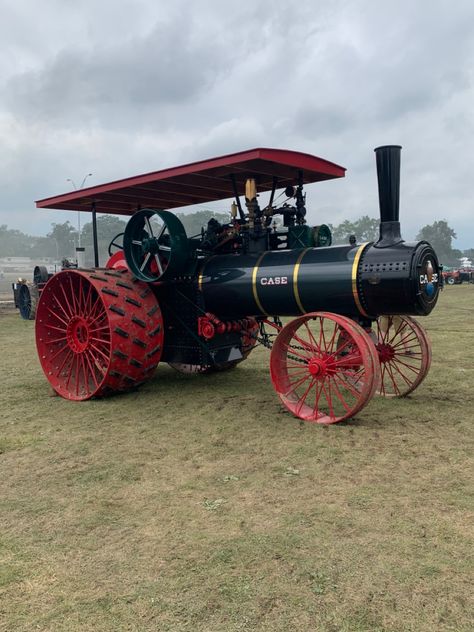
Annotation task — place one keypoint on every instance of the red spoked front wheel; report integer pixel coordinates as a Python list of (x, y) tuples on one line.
[(324, 367), (404, 353), (97, 331)]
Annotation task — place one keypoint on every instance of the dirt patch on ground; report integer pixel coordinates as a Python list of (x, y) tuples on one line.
[(7, 306)]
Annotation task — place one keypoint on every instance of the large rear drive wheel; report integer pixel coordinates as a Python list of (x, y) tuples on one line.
[(404, 353), (324, 367), (97, 331)]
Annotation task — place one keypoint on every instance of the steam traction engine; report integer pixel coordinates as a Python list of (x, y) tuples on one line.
[(201, 303)]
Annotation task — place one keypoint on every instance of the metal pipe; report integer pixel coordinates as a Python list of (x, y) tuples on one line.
[(388, 177), (237, 198), (94, 235)]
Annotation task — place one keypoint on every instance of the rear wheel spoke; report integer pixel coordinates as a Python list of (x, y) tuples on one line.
[(60, 329), (67, 357), (92, 369), (56, 315), (66, 306), (55, 340)]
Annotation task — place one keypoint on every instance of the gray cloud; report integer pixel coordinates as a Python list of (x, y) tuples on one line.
[(121, 88), (113, 85)]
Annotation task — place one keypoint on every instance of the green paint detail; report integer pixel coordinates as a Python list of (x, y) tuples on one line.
[(300, 236), (304, 236), (174, 245), (322, 236)]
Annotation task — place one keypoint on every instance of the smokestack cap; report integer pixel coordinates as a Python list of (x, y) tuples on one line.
[(388, 147)]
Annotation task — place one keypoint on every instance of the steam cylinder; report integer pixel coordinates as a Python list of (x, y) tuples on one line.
[(363, 281)]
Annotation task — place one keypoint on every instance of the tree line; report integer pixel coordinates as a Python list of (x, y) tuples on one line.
[(439, 234), (63, 238)]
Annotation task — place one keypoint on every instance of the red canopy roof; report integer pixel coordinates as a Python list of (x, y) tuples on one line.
[(198, 182)]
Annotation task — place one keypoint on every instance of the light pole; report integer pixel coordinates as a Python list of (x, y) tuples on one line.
[(78, 212), (57, 252)]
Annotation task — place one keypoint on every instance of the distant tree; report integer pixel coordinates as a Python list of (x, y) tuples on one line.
[(64, 236), (469, 253), (365, 229), (14, 243), (43, 247), (193, 222), (108, 227), (441, 236), (454, 258)]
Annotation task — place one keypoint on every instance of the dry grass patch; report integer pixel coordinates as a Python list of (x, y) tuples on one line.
[(198, 504)]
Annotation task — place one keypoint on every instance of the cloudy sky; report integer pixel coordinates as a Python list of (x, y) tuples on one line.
[(122, 87)]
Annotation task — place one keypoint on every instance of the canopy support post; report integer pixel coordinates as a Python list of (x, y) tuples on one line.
[(94, 235), (237, 198), (274, 186)]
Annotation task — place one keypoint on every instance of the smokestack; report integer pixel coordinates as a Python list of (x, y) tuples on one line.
[(388, 176)]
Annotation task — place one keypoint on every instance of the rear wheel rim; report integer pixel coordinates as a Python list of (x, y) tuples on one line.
[(319, 378), (97, 332)]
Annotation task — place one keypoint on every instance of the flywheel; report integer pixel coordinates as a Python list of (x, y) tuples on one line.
[(156, 246)]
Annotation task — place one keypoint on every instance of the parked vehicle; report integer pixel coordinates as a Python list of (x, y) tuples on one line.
[(202, 303), (461, 275), (26, 293)]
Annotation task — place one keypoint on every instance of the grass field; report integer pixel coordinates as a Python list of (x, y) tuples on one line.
[(198, 503)]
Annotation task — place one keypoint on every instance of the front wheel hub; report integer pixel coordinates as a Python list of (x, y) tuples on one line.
[(321, 367), (315, 367), (386, 352)]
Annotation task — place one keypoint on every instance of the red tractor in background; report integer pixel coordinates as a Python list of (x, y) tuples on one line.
[(458, 276)]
